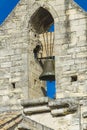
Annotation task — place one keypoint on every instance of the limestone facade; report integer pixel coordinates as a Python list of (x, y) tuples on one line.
[(20, 71)]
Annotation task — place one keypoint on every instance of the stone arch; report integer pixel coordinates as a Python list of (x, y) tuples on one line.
[(34, 31), (57, 23), (41, 20), (36, 6), (56, 16)]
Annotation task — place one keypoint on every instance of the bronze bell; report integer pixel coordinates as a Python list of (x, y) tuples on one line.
[(48, 73)]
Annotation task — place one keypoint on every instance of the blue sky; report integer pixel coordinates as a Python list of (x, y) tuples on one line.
[(6, 6), (51, 29), (82, 4), (51, 89)]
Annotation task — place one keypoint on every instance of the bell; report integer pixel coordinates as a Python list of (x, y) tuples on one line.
[(48, 73)]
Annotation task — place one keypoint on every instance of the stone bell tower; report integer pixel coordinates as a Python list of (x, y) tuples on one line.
[(20, 69), (68, 109)]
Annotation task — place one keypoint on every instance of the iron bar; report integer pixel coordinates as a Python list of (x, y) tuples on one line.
[(49, 57)]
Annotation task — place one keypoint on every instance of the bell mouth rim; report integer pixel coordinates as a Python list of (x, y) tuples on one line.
[(47, 78)]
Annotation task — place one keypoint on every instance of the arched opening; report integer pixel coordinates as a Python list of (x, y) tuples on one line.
[(41, 20), (43, 24)]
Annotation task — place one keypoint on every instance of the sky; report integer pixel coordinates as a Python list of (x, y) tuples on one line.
[(82, 4), (6, 7)]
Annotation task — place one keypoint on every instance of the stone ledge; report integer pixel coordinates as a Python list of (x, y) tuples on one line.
[(22, 126), (34, 102), (57, 107), (34, 110), (34, 124), (62, 102)]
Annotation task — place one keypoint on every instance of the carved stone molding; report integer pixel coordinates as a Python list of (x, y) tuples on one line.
[(34, 110), (57, 107), (34, 102), (62, 107)]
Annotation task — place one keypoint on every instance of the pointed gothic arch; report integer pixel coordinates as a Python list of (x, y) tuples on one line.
[(41, 20)]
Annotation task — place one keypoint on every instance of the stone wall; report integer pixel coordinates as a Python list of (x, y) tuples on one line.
[(70, 50), (70, 46), (19, 71), (13, 58), (59, 114), (17, 59)]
